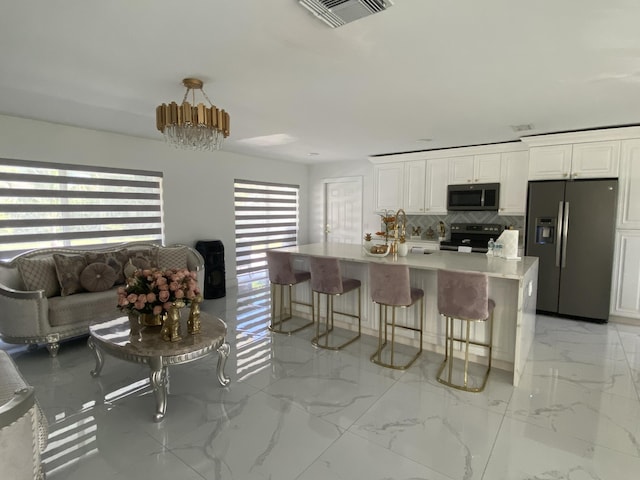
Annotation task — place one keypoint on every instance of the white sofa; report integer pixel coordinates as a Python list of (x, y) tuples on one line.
[(44, 296), (23, 427)]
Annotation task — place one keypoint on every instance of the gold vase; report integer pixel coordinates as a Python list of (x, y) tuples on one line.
[(150, 319)]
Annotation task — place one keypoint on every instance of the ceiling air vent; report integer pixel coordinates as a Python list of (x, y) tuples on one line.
[(336, 13)]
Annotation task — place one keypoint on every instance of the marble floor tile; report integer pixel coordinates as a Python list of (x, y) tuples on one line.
[(284, 440), (567, 407), (524, 452), (354, 457), (453, 439), (295, 412)]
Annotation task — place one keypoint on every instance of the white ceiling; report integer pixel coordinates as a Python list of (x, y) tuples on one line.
[(458, 72)]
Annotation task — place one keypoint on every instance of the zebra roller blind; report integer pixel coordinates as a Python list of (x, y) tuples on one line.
[(266, 216), (52, 205)]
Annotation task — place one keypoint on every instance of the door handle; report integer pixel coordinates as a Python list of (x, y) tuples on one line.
[(327, 228), (565, 234), (559, 232)]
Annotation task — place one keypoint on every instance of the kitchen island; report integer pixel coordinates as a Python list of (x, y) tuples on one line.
[(512, 285)]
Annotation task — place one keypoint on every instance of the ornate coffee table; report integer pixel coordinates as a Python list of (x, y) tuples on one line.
[(114, 337)]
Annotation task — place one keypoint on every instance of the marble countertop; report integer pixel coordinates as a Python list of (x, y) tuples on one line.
[(446, 260)]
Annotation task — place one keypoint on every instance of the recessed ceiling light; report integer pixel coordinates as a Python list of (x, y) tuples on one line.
[(425, 140), (525, 127), (313, 154)]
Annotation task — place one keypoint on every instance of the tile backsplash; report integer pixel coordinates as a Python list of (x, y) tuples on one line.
[(426, 221)]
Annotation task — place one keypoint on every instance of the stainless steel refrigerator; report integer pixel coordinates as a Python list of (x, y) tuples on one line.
[(571, 228)]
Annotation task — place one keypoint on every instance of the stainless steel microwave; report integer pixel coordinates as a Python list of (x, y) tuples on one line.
[(473, 196)]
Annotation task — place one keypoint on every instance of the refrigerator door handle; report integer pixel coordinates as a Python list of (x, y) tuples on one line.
[(565, 234), (559, 233)]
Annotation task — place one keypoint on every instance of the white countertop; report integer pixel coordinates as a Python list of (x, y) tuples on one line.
[(445, 260)]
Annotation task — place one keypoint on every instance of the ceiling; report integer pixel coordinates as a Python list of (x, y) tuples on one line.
[(422, 75)]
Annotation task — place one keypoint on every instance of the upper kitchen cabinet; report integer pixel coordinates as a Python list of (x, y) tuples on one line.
[(436, 186), (417, 186), (578, 160), (513, 183), (388, 182), (484, 168), (629, 187), (550, 162), (414, 183), (595, 160)]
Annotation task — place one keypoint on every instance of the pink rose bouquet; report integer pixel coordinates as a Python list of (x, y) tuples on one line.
[(154, 290)]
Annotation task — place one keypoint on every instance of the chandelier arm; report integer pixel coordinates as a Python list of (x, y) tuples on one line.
[(184, 99), (205, 96)]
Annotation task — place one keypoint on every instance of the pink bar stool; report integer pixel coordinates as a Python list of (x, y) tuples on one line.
[(464, 296), (282, 274), (326, 279), (390, 288)]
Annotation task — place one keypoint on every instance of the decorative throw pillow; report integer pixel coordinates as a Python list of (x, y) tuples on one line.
[(39, 274), (69, 268), (97, 277), (116, 260), (144, 258), (129, 269), (172, 257)]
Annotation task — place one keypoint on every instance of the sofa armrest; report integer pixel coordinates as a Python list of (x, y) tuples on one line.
[(195, 263), (24, 313), (17, 406)]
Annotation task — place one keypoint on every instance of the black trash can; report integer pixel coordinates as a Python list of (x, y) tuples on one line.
[(214, 273)]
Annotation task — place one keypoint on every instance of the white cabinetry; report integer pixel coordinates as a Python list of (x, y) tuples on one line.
[(629, 187), (579, 160), (388, 180), (483, 168), (418, 186), (414, 183), (513, 183), (436, 186), (550, 162), (625, 298), (595, 160)]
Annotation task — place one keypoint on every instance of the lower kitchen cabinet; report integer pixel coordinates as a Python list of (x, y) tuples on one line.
[(625, 292)]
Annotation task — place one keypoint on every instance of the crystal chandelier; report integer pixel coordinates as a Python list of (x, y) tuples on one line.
[(196, 127)]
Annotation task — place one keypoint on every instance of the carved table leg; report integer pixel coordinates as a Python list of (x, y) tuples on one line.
[(99, 358), (223, 354), (159, 379)]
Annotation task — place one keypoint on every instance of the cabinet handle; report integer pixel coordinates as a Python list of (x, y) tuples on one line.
[(566, 174)]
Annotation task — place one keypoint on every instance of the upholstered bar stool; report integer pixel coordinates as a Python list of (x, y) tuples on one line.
[(464, 297), (282, 274), (326, 279), (391, 289)]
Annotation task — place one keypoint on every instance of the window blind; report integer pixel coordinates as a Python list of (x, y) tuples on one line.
[(266, 216), (53, 205)]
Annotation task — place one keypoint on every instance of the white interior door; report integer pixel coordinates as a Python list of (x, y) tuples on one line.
[(343, 210)]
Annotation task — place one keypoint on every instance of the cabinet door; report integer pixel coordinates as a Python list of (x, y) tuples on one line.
[(461, 170), (550, 162), (486, 168), (625, 293), (513, 183), (595, 160), (436, 191), (414, 186), (388, 179), (629, 191)]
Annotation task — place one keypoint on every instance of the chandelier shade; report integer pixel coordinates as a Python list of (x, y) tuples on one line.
[(190, 125)]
